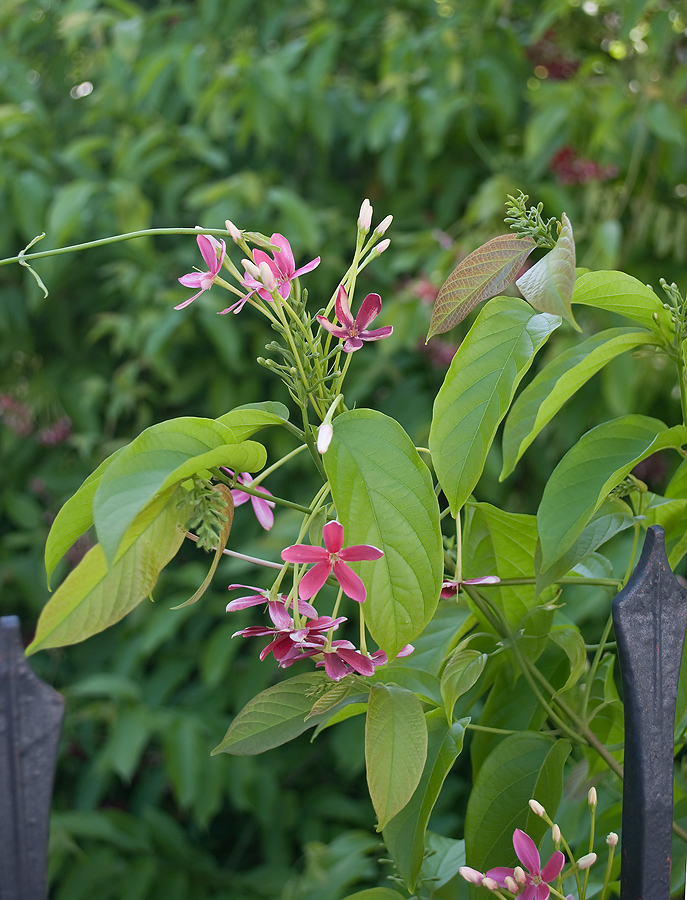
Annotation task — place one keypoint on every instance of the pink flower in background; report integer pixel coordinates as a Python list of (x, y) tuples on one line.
[(343, 659), (282, 266), (536, 880), (355, 331), (262, 597), (261, 508), (331, 558), (213, 252)]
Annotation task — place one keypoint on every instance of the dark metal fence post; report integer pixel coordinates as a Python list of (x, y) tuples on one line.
[(650, 618), (30, 722)]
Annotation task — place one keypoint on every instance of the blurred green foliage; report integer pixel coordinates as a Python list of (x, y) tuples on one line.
[(281, 115)]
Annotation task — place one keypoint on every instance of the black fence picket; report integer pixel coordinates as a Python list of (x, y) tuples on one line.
[(30, 723)]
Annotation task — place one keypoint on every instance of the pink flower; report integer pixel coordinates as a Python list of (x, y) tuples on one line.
[(213, 253), (261, 597), (261, 508), (332, 557), (289, 642), (537, 887), (449, 589), (282, 266), (343, 658), (354, 331)]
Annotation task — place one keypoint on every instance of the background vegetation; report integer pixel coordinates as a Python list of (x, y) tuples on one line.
[(281, 115)]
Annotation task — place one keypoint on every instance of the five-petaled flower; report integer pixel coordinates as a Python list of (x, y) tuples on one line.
[(536, 886), (331, 558), (343, 658), (354, 331), (289, 641), (213, 252), (261, 508), (282, 266)]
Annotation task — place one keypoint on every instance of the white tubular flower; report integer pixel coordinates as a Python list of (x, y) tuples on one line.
[(612, 839), (267, 277), (591, 796), (519, 875), (365, 217), (511, 884), (586, 861), (471, 875), (490, 883), (234, 232), (251, 268), (556, 834), (324, 437), (537, 808), (383, 225)]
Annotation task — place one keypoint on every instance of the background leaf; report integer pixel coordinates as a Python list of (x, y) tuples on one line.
[(384, 497), (548, 285), (395, 748), (478, 389), (485, 272)]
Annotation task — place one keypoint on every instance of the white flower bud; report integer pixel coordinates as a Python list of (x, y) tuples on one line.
[(365, 217), (490, 883), (586, 861), (251, 268), (556, 834), (511, 884), (233, 230), (381, 247), (612, 839), (324, 436), (591, 796), (471, 875), (519, 875), (267, 276), (537, 808), (383, 225)]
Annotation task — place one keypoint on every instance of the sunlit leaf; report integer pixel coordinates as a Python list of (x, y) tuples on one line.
[(548, 285), (620, 293)]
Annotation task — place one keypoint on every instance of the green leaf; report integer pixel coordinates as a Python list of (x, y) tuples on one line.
[(589, 470), (384, 497), (273, 717), (462, 671), (548, 285), (164, 455), (444, 857), (523, 766), (622, 294), (571, 642), (556, 384), (377, 893), (74, 518), (478, 389), (677, 486), (487, 271), (404, 835), (245, 421), (348, 711), (93, 596), (395, 748), (612, 517)]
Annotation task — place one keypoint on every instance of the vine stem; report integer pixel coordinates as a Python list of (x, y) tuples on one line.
[(236, 555)]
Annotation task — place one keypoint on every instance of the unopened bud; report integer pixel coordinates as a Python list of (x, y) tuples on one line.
[(537, 808), (267, 276), (556, 834), (511, 884), (381, 247), (490, 883), (324, 436), (383, 225), (519, 875), (471, 875), (612, 839), (365, 217), (233, 230), (251, 268), (586, 861), (591, 796)]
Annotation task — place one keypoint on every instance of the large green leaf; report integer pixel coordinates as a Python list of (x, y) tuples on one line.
[(164, 455), (589, 470), (461, 672), (395, 748), (377, 893), (556, 384), (384, 496), (273, 717), (548, 285), (613, 516), (622, 294), (404, 835), (522, 767), (95, 596), (478, 389), (74, 518), (487, 271), (245, 421)]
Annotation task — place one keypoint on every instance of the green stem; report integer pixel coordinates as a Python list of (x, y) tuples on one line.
[(235, 555), (280, 462), (595, 665), (248, 489)]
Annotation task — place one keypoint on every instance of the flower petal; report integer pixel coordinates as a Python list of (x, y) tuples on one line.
[(333, 534), (343, 309), (334, 667), (350, 582), (191, 280), (370, 308), (279, 615), (352, 344), (362, 664), (500, 873), (554, 866), (526, 851), (208, 247), (308, 267), (359, 552), (304, 553), (190, 300), (284, 257), (263, 511), (313, 580), (336, 330), (377, 334)]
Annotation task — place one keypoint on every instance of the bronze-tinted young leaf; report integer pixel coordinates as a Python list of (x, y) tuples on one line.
[(548, 285), (486, 272)]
